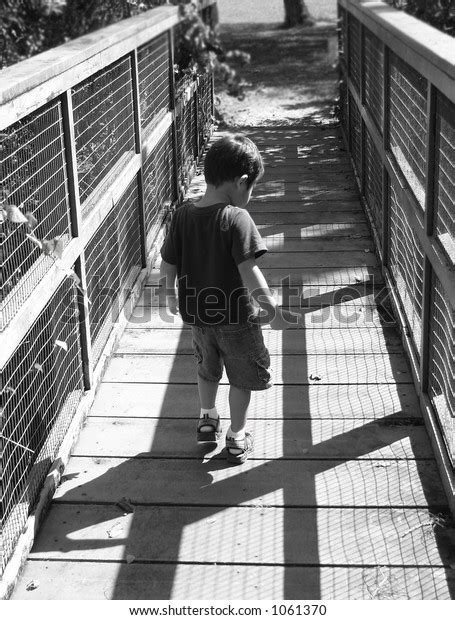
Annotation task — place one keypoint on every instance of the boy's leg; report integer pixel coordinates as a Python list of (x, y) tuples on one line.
[(238, 404), (207, 392)]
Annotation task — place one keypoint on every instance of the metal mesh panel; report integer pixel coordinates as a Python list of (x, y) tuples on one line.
[(442, 364), (406, 265), (42, 385), (111, 255), (355, 133), (408, 123), (158, 182), (34, 174), (185, 122), (355, 50), (153, 68), (103, 123), (342, 34), (374, 78), (444, 223), (344, 110), (373, 184), (205, 109)]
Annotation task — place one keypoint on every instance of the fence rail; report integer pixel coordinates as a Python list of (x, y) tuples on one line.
[(397, 100), (98, 144)]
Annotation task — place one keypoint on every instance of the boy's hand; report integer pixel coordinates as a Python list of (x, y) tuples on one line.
[(172, 304), (284, 319)]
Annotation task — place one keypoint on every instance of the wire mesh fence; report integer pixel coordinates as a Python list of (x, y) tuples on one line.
[(373, 186), (374, 78), (442, 366), (103, 123), (204, 109), (406, 265), (153, 70), (354, 51), (42, 386), (34, 179), (49, 355), (389, 138), (408, 123), (444, 222), (159, 188), (111, 256), (186, 128)]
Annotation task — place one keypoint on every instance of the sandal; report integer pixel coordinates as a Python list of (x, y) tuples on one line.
[(238, 450), (208, 429)]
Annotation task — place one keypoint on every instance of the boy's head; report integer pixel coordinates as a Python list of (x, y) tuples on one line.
[(230, 158)]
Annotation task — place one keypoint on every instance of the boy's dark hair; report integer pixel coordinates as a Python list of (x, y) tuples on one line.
[(231, 157)]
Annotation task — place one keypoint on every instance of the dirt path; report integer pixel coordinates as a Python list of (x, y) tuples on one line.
[(292, 76)]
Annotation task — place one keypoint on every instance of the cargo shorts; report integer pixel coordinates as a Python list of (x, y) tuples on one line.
[(239, 348)]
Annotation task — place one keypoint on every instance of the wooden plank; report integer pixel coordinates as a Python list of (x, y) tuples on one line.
[(292, 260), (298, 536), (275, 243), (60, 580), (365, 402), (317, 216), (173, 341), (294, 439), (280, 205), (274, 484), (306, 193), (332, 369)]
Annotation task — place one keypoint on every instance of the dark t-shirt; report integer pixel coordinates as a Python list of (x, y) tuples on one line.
[(206, 244)]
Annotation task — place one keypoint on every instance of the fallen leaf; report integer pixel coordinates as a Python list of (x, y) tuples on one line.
[(115, 531), (3, 216), (32, 221), (38, 367), (367, 251), (210, 521), (33, 585), (61, 344), (36, 241), (315, 377), (125, 505), (15, 215), (10, 389), (130, 559)]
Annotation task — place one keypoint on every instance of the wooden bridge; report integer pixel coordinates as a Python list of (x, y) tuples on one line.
[(350, 490), (342, 498)]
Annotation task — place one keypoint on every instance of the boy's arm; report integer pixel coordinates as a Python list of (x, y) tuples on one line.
[(167, 290), (255, 282)]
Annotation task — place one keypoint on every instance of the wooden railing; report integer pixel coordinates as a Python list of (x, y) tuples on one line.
[(98, 144), (397, 100)]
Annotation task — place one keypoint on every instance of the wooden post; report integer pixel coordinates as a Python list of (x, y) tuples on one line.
[(138, 141), (76, 230), (430, 156)]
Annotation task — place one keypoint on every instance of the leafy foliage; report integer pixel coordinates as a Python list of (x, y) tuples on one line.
[(437, 13)]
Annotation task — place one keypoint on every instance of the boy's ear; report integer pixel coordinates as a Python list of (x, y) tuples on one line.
[(243, 179)]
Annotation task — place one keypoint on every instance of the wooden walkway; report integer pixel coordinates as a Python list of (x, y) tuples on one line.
[(342, 498)]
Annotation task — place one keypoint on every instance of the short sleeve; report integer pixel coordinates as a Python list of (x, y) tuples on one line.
[(169, 249), (246, 241)]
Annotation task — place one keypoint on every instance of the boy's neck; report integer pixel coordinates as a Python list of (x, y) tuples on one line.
[(215, 195)]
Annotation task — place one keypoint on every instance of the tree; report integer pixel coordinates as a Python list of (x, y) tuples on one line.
[(296, 13)]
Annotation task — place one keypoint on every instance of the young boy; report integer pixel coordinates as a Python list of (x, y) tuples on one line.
[(211, 248)]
